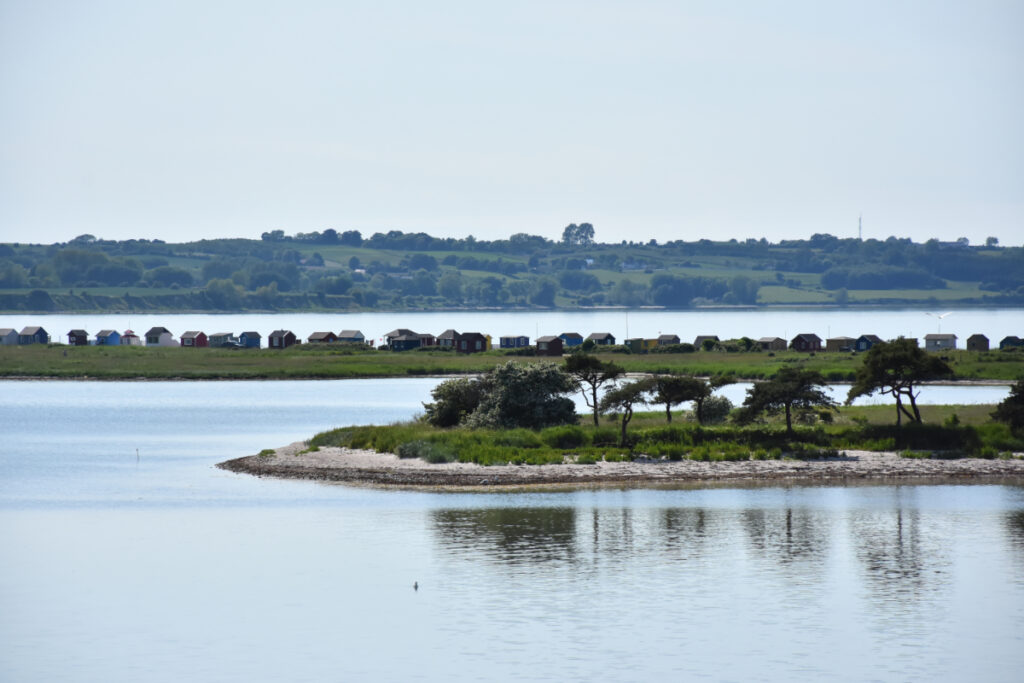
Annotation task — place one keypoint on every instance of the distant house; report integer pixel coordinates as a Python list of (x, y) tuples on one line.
[(835, 344), (427, 339), (977, 342), (400, 332), (549, 346), (352, 337), (281, 339), (405, 342), (446, 340), (1011, 342), (108, 338), (129, 338), (698, 342), (250, 340), (865, 342), (806, 342), (8, 336), (195, 339), (571, 339), (323, 338), (78, 338), (602, 338), (668, 339), (159, 336), (222, 339), (939, 342), (640, 345), (33, 335), (772, 344), (514, 342), (471, 342)]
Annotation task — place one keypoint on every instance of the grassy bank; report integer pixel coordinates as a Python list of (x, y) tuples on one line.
[(339, 361), (949, 430)]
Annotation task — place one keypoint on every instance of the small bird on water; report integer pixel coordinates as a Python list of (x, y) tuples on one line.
[(415, 585)]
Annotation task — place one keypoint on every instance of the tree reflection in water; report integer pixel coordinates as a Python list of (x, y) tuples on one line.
[(511, 535)]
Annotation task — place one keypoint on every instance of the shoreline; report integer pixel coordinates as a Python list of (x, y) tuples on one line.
[(369, 468)]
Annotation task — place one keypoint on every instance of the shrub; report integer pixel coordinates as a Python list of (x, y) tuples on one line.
[(565, 436), (716, 409)]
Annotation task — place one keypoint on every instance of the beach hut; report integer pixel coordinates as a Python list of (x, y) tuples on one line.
[(471, 342), (977, 342), (602, 338), (865, 342), (222, 339), (159, 336), (807, 341), (698, 341), (668, 339), (571, 339), (108, 338), (514, 341), (281, 339), (129, 338), (352, 337), (323, 338), (446, 340), (405, 342), (33, 335), (772, 343), (250, 340), (549, 346), (939, 342), (836, 344), (8, 336), (194, 339), (1011, 342), (78, 338)]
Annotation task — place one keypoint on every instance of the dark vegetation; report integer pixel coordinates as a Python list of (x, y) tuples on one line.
[(333, 270), (517, 414)]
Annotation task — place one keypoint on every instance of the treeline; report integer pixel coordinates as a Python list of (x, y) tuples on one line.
[(398, 270)]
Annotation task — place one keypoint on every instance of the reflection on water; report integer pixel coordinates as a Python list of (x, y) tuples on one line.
[(786, 535), (510, 535)]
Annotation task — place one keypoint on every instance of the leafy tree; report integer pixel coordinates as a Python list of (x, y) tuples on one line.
[(454, 400), (1011, 410), (223, 294), (670, 390), (524, 395), (578, 235), (167, 276), (897, 368), (543, 293), (589, 374), (450, 286), (623, 398), (790, 388)]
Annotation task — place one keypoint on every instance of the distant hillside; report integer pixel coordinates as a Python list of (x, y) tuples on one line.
[(395, 271)]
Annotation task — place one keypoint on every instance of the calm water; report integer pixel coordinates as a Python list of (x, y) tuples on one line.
[(129, 557), (994, 323)]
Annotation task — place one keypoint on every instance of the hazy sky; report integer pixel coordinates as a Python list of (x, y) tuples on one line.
[(666, 120)]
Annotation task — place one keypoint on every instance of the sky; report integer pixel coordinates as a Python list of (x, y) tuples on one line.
[(651, 120)]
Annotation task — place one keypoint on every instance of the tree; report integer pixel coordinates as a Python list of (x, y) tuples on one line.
[(1011, 410), (578, 235), (896, 368), (622, 399), (589, 374), (529, 395), (454, 400), (672, 390), (790, 388)]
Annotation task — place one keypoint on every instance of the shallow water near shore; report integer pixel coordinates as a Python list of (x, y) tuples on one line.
[(130, 557)]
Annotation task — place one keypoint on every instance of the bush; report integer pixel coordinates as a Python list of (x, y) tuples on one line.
[(425, 450), (716, 409), (566, 436)]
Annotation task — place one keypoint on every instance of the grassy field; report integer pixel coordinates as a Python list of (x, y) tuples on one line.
[(341, 361), (970, 433)]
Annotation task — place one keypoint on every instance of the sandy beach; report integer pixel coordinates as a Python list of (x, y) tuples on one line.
[(385, 469)]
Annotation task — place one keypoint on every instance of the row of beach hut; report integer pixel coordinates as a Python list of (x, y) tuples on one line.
[(403, 339)]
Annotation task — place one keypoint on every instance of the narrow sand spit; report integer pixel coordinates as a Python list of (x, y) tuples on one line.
[(385, 469)]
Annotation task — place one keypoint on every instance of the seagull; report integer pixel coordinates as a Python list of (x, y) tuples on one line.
[(940, 316), (415, 585)]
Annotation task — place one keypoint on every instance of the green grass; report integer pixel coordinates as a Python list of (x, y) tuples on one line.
[(862, 428), (341, 361)]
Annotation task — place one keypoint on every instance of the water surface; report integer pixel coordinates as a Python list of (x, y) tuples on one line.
[(130, 557)]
